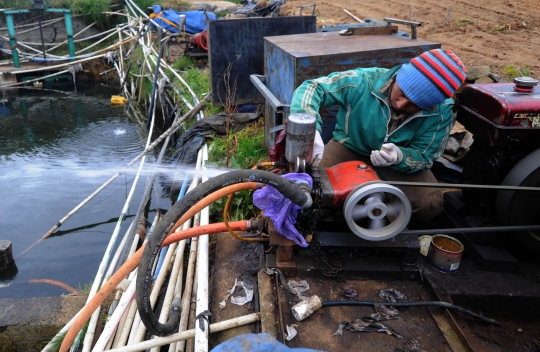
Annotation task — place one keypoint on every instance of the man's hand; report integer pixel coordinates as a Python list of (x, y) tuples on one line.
[(388, 155), (318, 150)]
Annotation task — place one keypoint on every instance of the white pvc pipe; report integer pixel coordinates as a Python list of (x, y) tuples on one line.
[(36, 79), (137, 320), (190, 343), (99, 41), (176, 275), (201, 335), (113, 320), (181, 336), (89, 337), (48, 68), (120, 248), (123, 334), (190, 274)]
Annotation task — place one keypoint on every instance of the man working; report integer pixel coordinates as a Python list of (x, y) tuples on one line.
[(397, 120)]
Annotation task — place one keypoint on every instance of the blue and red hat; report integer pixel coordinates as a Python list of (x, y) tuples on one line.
[(432, 77)]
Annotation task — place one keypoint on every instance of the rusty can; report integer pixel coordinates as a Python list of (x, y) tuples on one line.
[(444, 253)]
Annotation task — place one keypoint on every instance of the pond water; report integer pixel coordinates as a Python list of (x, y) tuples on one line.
[(57, 148)]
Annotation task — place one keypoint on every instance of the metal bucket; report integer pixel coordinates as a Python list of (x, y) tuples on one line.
[(444, 253)]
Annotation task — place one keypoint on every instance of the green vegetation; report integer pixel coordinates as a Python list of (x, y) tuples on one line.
[(243, 149), (514, 71), (84, 288)]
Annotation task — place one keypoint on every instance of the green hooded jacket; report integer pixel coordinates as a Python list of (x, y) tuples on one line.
[(363, 116)]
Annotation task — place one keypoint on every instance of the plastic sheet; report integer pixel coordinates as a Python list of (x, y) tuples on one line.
[(281, 210)]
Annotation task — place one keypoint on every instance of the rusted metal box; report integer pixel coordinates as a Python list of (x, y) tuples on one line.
[(292, 59), (500, 116)]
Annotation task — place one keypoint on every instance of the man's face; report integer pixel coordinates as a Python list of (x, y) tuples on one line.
[(400, 102)]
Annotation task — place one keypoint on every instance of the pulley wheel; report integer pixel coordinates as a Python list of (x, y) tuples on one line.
[(377, 211), (521, 207)]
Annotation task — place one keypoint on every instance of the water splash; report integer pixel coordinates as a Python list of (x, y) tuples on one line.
[(69, 168), (119, 131)]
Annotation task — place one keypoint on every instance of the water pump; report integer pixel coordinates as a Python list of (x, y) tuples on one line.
[(373, 210)]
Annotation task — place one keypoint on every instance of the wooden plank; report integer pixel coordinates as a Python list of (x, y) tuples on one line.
[(267, 304)]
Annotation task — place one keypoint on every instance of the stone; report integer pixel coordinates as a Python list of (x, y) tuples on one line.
[(27, 324), (6, 255), (476, 72), (495, 77), (483, 80)]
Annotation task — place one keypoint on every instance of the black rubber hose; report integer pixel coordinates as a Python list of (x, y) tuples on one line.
[(411, 304), (287, 188), (154, 85)]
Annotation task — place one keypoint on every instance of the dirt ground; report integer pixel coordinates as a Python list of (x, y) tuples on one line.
[(495, 33)]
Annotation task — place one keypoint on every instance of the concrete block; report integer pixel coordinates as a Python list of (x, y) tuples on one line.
[(6, 255)]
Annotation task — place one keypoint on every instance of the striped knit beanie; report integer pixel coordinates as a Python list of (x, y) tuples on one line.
[(432, 77)]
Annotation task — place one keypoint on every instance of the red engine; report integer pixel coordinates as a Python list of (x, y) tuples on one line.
[(504, 119)]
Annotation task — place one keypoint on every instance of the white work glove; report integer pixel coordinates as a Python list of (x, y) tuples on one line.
[(389, 154), (318, 149)]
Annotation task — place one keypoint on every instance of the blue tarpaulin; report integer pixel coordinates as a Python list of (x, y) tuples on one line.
[(169, 19), (196, 20)]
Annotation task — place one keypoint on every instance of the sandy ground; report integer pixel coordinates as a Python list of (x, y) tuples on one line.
[(495, 33)]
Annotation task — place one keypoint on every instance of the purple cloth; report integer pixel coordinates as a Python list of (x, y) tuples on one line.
[(281, 210)]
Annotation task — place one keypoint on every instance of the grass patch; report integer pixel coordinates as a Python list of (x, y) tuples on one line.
[(84, 289), (462, 22), (246, 148), (515, 71), (199, 81)]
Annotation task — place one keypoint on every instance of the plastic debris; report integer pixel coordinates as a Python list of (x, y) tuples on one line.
[(391, 295), (238, 300), (361, 326), (297, 287), (223, 303), (118, 100), (339, 331), (248, 297), (291, 332), (281, 210), (383, 313), (349, 293)]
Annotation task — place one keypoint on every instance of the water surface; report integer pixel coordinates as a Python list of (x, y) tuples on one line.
[(55, 150)]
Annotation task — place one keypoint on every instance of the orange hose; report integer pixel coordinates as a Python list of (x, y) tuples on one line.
[(263, 164), (241, 225), (217, 195), (53, 282), (134, 260)]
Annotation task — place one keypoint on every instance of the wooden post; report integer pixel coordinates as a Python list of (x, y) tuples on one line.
[(448, 14), (6, 255), (411, 13)]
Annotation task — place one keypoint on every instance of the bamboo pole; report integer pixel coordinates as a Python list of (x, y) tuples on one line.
[(353, 16)]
